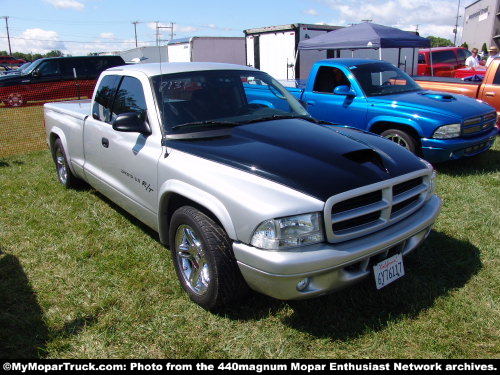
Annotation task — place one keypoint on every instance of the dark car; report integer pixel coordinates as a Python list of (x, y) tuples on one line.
[(55, 78)]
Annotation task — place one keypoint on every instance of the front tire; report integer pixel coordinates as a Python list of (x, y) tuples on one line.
[(64, 174), (401, 138), (203, 259), (15, 100)]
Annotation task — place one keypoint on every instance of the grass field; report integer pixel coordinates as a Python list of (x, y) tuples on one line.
[(80, 278)]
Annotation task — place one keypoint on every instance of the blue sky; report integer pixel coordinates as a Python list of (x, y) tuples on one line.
[(82, 26)]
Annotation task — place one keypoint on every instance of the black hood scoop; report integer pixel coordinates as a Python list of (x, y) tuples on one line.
[(441, 97), (367, 157)]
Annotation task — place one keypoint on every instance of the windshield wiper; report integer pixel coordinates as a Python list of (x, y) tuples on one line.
[(279, 117), (208, 122)]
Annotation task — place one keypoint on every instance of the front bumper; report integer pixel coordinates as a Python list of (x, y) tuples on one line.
[(439, 150), (327, 266)]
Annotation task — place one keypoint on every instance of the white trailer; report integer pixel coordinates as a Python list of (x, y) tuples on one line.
[(273, 49), (147, 54), (207, 49)]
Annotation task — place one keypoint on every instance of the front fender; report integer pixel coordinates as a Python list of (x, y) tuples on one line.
[(60, 134), (196, 195), (395, 120)]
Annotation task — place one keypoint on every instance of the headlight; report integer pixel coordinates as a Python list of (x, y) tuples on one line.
[(289, 231), (447, 131)]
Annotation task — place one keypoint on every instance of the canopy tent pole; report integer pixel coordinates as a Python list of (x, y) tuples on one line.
[(432, 65), (380, 53), (413, 63)]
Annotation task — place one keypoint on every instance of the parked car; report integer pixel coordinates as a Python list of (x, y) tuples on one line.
[(376, 96), (244, 194), (54, 78), (445, 60), (487, 90), (9, 60)]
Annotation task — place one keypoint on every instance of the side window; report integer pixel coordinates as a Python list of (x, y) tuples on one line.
[(496, 80), (446, 57), (129, 98), (49, 68), (328, 78), (103, 101)]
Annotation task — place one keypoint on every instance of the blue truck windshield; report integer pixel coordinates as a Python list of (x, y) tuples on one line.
[(202, 99), (383, 79)]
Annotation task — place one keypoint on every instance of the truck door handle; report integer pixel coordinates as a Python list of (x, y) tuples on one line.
[(489, 93), (105, 142), (311, 102)]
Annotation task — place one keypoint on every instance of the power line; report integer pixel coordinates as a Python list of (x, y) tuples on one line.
[(73, 41)]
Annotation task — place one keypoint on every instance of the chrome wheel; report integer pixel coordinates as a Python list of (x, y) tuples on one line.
[(62, 171), (15, 100), (396, 138), (191, 259)]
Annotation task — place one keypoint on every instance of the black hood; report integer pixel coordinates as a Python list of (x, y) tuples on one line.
[(317, 160), (12, 79)]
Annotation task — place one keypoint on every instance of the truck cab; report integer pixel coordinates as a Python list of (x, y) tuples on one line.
[(376, 96)]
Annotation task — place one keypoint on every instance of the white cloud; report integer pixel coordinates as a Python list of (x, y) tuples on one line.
[(107, 35), (67, 4), (311, 12), (434, 17), (37, 41)]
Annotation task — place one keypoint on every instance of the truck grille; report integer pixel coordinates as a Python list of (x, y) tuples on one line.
[(475, 125), (370, 208)]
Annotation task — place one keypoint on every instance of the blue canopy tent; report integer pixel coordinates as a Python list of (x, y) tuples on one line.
[(365, 35)]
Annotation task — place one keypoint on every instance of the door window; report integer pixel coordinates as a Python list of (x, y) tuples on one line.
[(129, 98), (328, 78), (444, 57), (49, 68), (103, 101)]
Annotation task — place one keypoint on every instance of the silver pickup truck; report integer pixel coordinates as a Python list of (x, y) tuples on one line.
[(245, 191)]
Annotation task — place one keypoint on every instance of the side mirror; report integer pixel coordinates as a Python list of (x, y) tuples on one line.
[(132, 122), (344, 90), (36, 73)]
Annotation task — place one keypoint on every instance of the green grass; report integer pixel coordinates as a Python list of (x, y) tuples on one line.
[(21, 130), (80, 278)]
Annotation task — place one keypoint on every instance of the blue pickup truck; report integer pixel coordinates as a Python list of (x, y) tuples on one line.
[(376, 96)]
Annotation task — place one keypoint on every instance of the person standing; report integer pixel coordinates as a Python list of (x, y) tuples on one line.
[(493, 50), (472, 61)]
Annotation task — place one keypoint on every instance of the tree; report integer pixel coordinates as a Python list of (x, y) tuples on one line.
[(54, 53), (437, 41), (465, 45), (484, 48)]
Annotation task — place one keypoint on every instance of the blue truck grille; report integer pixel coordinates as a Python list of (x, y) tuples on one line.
[(475, 125)]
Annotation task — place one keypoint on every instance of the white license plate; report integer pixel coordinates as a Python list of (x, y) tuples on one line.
[(388, 270)]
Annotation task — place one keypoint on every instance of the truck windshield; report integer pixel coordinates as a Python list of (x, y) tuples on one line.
[(195, 101), (383, 79)]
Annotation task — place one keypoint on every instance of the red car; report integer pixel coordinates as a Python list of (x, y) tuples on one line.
[(9, 60), (54, 78), (445, 60)]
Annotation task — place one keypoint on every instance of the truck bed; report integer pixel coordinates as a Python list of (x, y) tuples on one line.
[(75, 108), (453, 85)]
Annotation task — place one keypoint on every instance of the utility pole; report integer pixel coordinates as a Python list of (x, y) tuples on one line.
[(135, 31), (171, 27), (8, 36), (157, 34), (455, 30)]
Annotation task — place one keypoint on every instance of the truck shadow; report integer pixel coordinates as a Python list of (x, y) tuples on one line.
[(438, 267), (487, 162), (23, 331)]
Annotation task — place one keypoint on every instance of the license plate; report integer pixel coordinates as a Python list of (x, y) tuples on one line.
[(388, 270)]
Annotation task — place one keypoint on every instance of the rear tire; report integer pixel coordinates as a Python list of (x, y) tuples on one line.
[(401, 138), (203, 259), (64, 174)]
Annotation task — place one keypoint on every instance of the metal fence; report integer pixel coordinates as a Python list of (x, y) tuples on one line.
[(21, 113)]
